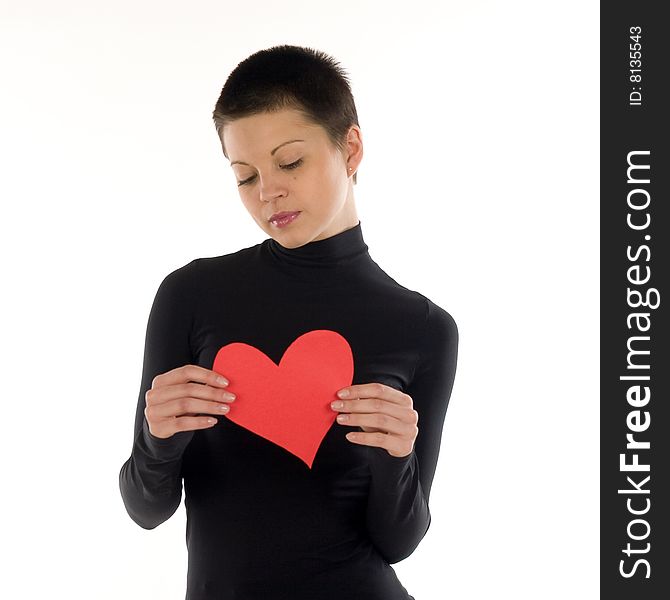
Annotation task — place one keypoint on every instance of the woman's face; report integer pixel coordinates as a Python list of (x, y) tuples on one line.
[(276, 174)]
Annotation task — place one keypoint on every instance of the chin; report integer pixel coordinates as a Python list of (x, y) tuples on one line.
[(290, 241), (290, 238), (298, 233)]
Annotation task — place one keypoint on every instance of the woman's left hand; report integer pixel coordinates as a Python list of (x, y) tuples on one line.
[(386, 416)]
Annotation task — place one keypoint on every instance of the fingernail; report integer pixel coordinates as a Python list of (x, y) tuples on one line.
[(343, 393), (336, 404), (222, 381)]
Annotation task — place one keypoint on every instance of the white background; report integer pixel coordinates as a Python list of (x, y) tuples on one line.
[(479, 188)]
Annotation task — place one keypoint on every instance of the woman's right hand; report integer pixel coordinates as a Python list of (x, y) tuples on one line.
[(177, 397)]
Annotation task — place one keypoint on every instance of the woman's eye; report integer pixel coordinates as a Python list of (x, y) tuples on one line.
[(288, 167), (293, 165)]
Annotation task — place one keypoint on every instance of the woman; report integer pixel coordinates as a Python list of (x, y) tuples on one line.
[(288, 495)]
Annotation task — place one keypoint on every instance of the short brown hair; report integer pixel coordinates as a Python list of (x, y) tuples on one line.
[(304, 79)]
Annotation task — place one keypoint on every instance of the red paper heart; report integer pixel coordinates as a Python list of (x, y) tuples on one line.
[(288, 404)]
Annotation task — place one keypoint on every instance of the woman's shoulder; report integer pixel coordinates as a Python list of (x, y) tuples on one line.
[(440, 321), (433, 314), (203, 269), (229, 260), (439, 324)]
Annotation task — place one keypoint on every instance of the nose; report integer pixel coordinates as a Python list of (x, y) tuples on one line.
[(271, 187)]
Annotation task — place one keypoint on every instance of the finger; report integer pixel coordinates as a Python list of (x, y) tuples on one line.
[(375, 390), (188, 373), (193, 423), (169, 427), (185, 406), (376, 405), (379, 421), (161, 395), (393, 445)]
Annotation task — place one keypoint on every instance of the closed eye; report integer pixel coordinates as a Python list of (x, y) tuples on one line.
[(288, 167), (293, 165)]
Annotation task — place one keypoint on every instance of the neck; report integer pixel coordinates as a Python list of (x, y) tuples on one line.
[(336, 250)]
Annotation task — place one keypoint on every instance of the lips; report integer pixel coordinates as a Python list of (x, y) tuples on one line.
[(281, 215)]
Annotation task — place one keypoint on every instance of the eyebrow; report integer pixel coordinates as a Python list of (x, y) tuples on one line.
[(239, 162)]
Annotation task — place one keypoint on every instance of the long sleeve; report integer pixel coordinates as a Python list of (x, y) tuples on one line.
[(150, 480), (398, 514), (262, 523)]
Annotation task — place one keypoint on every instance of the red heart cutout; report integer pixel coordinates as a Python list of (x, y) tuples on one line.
[(288, 404)]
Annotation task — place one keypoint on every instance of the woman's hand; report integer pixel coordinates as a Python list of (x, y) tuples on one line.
[(178, 397), (385, 415)]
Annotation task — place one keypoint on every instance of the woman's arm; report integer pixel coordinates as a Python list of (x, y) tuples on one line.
[(398, 515), (150, 480)]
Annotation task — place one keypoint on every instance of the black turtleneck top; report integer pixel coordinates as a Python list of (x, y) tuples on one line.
[(262, 524)]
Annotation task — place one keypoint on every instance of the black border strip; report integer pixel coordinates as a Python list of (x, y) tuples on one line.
[(635, 358)]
